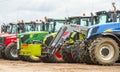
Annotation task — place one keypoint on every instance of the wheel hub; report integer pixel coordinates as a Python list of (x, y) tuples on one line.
[(105, 51)]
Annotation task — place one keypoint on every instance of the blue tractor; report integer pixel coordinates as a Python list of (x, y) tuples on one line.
[(102, 17), (101, 45)]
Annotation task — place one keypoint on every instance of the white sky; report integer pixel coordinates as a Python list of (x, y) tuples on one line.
[(13, 10)]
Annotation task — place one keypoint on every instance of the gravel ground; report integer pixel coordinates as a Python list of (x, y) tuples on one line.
[(21, 66)]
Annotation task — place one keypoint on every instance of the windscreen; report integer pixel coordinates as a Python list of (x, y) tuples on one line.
[(21, 27), (34, 27), (102, 18), (29, 27), (54, 26), (84, 22), (39, 27), (5, 28), (49, 26), (12, 29), (74, 20), (59, 24), (118, 17)]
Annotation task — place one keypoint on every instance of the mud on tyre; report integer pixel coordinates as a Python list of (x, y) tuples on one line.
[(67, 57), (104, 51)]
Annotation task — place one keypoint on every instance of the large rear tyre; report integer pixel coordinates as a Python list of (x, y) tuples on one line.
[(11, 52), (84, 54), (66, 54), (53, 58), (104, 51), (75, 51)]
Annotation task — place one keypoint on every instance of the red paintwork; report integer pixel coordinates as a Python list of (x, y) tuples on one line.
[(9, 38), (57, 55), (65, 33)]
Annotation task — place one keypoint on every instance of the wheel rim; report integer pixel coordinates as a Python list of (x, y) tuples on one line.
[(106, 52), (14, 52), (57, 54)]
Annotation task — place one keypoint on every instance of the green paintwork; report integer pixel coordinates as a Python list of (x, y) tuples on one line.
[(26, 42), (28, 37)]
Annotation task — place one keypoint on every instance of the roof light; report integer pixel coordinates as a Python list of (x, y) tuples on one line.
[(84, 14), (36, 20)]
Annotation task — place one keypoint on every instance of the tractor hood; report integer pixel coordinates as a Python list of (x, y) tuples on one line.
[(7, 39), (8, 35), (29, 37), (100, 28)]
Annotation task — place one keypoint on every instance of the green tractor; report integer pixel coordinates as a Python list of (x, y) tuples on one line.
[(29, 43), (8, 41)]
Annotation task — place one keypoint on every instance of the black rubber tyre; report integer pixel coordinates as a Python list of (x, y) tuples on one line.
[(75, 51), (84, 54), (11, 52), (23, 58), (45, 59), (104, 51), (3, 54), (2, 51), (67, 57), (49, 59)]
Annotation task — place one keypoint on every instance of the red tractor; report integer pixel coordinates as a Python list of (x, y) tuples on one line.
[(7, 40)]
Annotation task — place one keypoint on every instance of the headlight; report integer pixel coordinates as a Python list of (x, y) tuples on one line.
[(92, 31)]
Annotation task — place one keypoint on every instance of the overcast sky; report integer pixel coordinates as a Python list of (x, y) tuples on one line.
[(13, 10)]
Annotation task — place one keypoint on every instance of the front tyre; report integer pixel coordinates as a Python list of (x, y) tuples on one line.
[(11, 52), (104, 51)]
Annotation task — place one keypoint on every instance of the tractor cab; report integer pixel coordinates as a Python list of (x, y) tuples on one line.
[(82, 20), (55, 24), (33, 26), (118, 16), (107, 16), (4, 28)]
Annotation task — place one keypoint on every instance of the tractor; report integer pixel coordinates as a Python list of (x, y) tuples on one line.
[(29, 42), (101, 45), (52, 52), (6, 40), (70, 36), (101, 18)]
